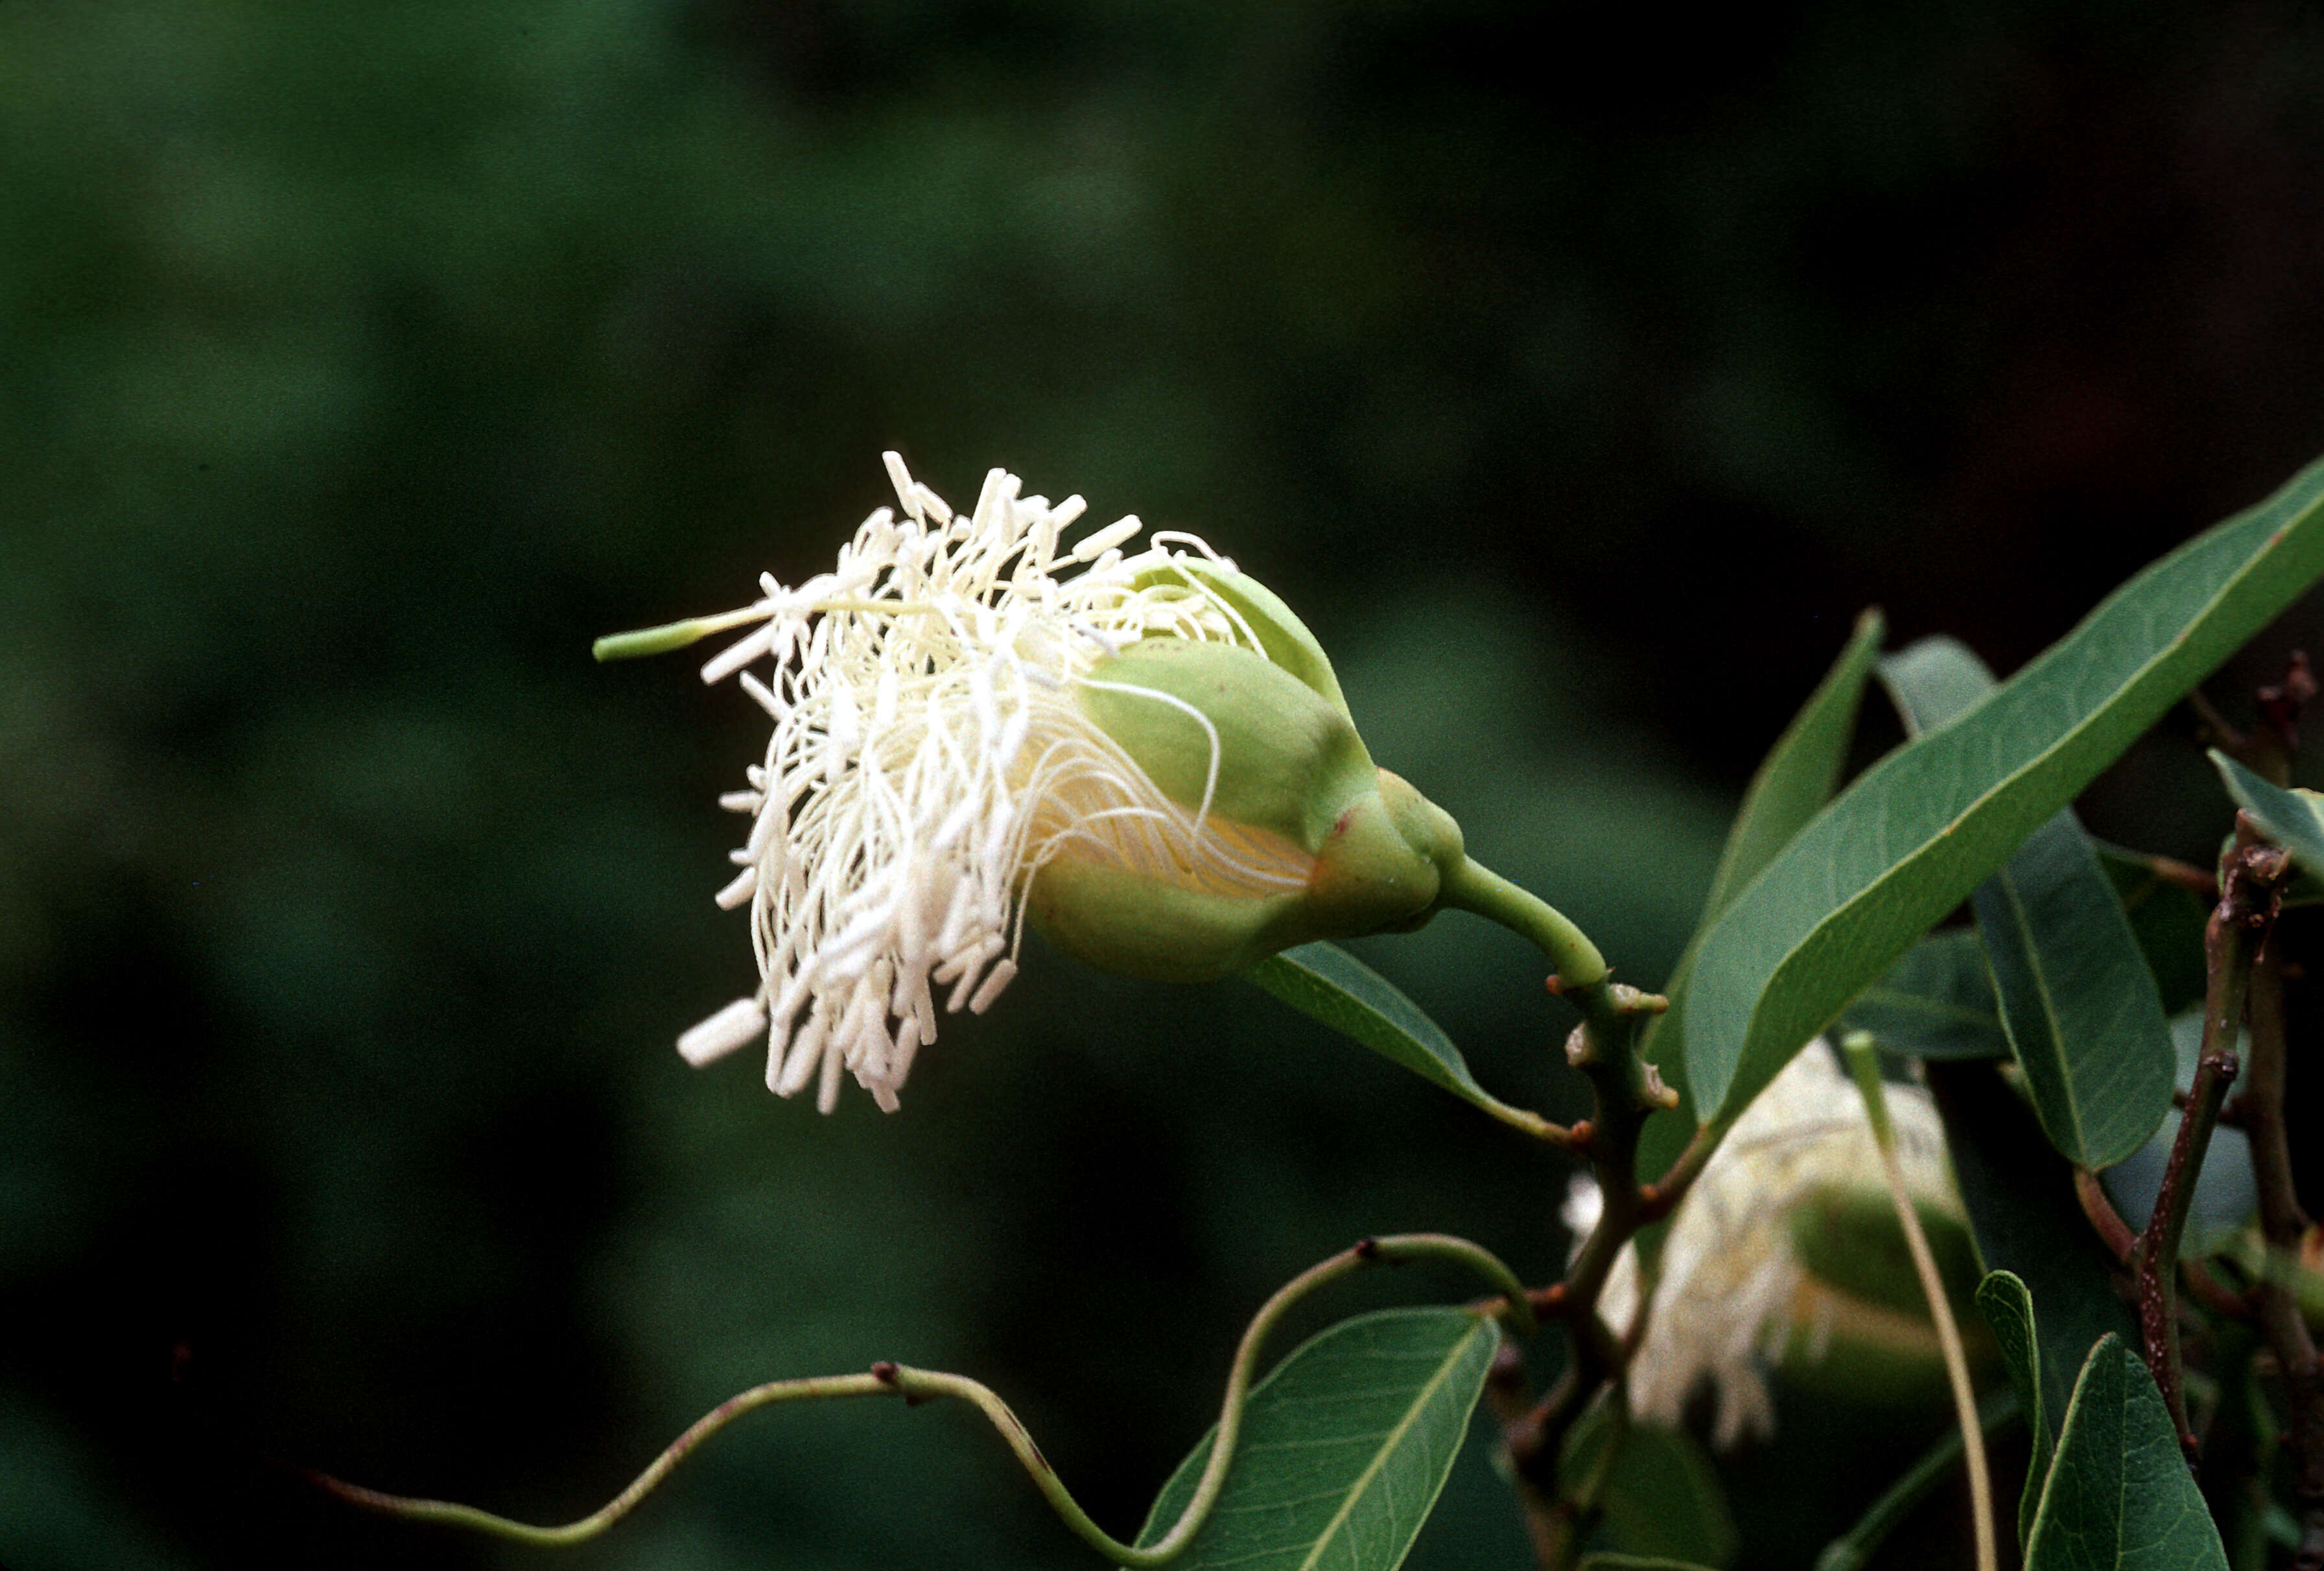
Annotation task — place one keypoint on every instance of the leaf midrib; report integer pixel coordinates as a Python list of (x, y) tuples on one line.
[(1921, 1003), (2031, 953), (1394, 1437)]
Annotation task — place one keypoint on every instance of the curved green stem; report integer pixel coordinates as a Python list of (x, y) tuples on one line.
[(1470, 886), (925, 1384), (921, 1384), (453, 1514)]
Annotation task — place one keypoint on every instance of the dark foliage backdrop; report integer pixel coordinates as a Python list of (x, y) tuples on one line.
[(1580, 371)]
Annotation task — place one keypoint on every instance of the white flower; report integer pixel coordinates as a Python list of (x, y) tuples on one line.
[(931, 755), (1732, 1290)]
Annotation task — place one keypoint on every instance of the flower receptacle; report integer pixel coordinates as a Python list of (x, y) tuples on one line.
[(1274, 766), (1225, 722), (1282, 638)]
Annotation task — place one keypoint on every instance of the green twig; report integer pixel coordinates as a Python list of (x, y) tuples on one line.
[(453, 1514), (1580, 971), (1624, 1089), (916, 1385), (1864, 1063)]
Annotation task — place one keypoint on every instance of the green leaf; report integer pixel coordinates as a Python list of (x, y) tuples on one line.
[(1661, 1501), (1799, 773), (1791, 786), (1345, 1446), (2078, 1003), (2169, 919), (1326, 981), (1915, 833), (2292, 819), (1936, 1003), (1934, 681), (2019, 1194), (2008, 1309), (1606, 1560), (2119, 1497)]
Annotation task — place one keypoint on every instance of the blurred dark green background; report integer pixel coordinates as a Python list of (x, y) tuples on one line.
[(1579, 371)]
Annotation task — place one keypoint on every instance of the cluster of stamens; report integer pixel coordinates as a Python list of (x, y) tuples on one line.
[(1732, 1292), (931, 755)]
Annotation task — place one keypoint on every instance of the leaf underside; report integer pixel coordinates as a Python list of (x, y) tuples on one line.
[(1327, 983), (1661, 1502), (2019, 1194), (2292, 819), (1936, 1003), (1790, 787)]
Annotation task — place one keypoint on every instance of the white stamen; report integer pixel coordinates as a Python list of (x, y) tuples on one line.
[(827, 1094), (1210, 778), (1004, 972), (723, 1033), (1113, 646), (925, 501), (807, 1047), (901, 478), (739, 654), (764, 697), (1732, 1288), (1106, 539), (744, 884), (762, 831)]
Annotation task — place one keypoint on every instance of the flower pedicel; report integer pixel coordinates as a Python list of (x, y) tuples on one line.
[(1147, 756)]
